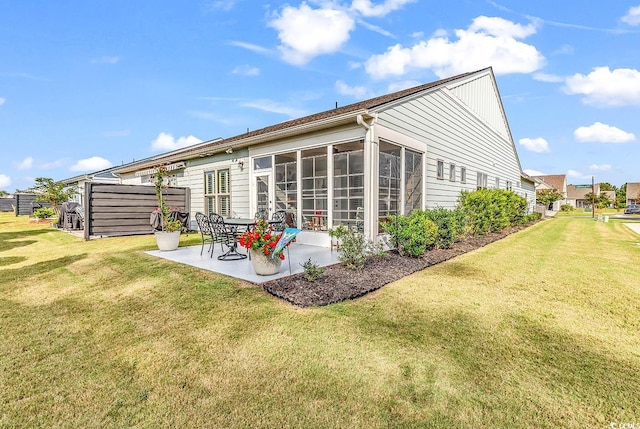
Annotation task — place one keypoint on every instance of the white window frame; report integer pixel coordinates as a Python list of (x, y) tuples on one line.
[(463, 174), (217, 193), (482, 180), (440, 169), (452, 172)]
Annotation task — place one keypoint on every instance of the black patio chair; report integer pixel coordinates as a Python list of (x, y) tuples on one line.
[(228, 235), (278, 220), (206, 232), (261, 214)]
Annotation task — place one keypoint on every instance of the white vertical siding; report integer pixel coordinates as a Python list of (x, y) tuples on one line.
[(481, 97)]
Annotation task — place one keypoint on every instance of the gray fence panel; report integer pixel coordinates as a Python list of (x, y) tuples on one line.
[(25, 203), (7, 204), (113, 210)]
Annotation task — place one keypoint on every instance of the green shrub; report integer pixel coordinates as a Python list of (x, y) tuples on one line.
[(312, 271), (412, 235), (532, 217), (491, 210), (44, 212), (566, 208), (450, 225), (353, 248)]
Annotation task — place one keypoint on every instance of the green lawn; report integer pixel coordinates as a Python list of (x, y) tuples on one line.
[(541, 329)]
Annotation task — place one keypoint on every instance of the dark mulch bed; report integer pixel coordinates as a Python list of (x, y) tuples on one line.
[(340, 283)]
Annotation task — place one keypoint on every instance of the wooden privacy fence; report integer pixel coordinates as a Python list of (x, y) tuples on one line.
[(7, 204), (25, 204), (114, 210)]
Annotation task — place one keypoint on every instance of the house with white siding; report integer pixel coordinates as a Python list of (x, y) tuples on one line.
[(357, 164)]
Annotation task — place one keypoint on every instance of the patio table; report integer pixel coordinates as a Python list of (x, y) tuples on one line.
[(234, 225)]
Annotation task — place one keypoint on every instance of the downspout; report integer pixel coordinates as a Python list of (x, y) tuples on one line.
[(370, 168)]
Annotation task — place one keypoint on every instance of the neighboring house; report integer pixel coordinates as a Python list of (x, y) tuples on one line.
[(412, 149), (576, 194), (633, 193), (557, 182), (102, 176)]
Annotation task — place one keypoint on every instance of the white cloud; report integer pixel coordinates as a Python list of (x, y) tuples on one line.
[(602, 133), (604, 87), (246, 70), (531, 172), (95, 163), (357, 92), (106, 60), (633, 16), (538, 145), (489, 41), (366, 8), (375, 28), (305, 33), (5, 181), (275, 107), (600, 167), (545, 77), (563, 50), (166, 142), (25, 164), (2, 100), (577, 174), (250, 47)]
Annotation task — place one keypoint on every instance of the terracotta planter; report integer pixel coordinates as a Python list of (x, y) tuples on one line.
[(264, 265), (167, 240)]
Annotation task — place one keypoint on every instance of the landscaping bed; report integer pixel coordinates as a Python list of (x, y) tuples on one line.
[(340, 283)]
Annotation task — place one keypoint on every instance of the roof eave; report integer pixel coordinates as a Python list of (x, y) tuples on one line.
[(238, 142)]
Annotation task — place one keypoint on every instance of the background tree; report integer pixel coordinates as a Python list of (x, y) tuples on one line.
[(3, 193), (606, 186), (621, 196), (47, 190), (545, 197)]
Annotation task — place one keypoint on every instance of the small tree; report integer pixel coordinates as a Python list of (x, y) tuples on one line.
[(546, 197), (3, 193), (52, 192)]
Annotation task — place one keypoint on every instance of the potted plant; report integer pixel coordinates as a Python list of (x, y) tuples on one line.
[(261, 242), (168, 238)]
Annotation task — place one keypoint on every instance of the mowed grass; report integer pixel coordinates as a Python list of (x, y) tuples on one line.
[(541, 329)]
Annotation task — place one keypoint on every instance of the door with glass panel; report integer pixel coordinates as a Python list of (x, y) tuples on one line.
[(263, 195)]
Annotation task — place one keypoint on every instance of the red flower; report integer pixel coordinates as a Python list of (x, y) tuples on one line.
[(262, 238)]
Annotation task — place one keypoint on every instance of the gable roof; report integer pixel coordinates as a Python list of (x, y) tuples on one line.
[(633, 191), (557, 181), (345, 114), (575, 193)]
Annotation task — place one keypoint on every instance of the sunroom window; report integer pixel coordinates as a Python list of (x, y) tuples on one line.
[(348, 185), (314, 189)]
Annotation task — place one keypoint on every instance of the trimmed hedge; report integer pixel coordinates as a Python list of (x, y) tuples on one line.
[(492, 210)]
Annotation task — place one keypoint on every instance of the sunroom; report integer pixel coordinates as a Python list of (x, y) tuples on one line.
[(355, 182)]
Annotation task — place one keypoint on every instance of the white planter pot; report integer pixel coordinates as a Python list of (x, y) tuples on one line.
[(167, 240), (264, 265)]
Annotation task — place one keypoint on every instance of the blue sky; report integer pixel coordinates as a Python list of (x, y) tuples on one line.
[(87, 85)]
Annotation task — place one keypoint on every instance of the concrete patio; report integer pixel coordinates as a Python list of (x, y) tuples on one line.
[(298, 254)]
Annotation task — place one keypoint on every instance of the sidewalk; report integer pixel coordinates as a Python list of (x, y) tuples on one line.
[(635, 227)]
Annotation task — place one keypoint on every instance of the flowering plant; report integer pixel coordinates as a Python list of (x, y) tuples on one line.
[(263, 239), (168, 225)]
